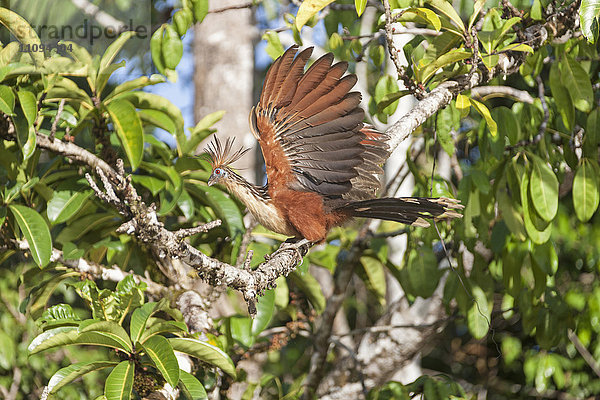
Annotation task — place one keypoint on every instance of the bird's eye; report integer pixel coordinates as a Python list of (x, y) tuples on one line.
[(217, 171)]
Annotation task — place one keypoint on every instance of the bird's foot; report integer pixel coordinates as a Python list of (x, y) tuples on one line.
[(299, 246)]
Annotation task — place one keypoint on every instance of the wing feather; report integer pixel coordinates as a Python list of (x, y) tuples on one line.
[(310, 129)]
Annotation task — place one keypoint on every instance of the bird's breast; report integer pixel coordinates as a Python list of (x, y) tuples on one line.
[(263, 210)]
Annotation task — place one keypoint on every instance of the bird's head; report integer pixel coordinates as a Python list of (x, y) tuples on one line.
[(221, 157)]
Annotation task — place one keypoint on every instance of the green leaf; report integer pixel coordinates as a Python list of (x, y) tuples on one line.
[(68, 374), (36, 232), (421, 275), (201, 131), (200, 9), (113, 49), (387, 85), (479, 314), (543, 187), (442, 61), (25, 134), (135, 84), (60, 336), (129, 129), (463, 104), (191, 386), (511, 217), (172, 47), (241, 330), (311, 287), (59, 312), (507, 123), (477, 7), (139, 318), (7, 100), (23, 32), (111, 330), (182, 20), (577, 82), (64, 204), (204, 352), (536, 235), (274, 47), (119, 383), (360, 6), (374, 276), (485, 113), (156, 49), (447, 121), (28, 105), (145, 100), (156, 328), (174, 189), (589, 19), (308, 9), (561, 97), (265, 308), (446, 8), (586, 193), (161, 353)]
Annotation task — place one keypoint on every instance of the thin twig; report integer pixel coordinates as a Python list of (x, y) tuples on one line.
[(587, 356), (61, 106), (250, 4)]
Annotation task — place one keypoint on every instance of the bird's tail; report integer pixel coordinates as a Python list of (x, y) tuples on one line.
[(407, 210)]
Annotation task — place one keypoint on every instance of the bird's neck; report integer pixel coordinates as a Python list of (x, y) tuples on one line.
[(245, 191)]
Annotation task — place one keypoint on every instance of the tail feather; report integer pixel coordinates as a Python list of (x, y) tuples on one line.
[(407, 210)]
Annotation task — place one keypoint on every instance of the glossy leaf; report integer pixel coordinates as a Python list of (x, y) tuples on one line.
[(172, 47), (543, 187), (145, 100), (360, 6), (562, 97), (264, 312), (274, 47), (68, 374), (36, 232), (485, 113), (200, 9), (22, 31), (192, 387), (479, 314), (156, 49), (446, 8), (7, 100), (577, 82), (119, 383), (204, 352), (536, 235), (113, 49), (586, 190), (129, 129), (308, 9), (161, 353), (111, 330), (139, 318), (28, 104), (589, 19), (64, 204), (311, 287)]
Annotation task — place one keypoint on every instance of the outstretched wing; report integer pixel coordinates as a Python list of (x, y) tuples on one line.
[(308, 125)]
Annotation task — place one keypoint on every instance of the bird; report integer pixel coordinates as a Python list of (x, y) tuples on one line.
[(323, 164)]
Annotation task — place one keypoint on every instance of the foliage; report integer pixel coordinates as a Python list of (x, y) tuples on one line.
[(523, 286)]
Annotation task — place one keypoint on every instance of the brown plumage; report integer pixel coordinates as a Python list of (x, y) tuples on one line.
[(323, 164)]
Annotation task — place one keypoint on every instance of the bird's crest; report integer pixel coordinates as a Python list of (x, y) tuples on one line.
[(220, 155)]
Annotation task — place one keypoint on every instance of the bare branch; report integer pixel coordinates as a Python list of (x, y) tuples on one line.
[(488, 92), (587, 356), (103, 18), (249, 4)]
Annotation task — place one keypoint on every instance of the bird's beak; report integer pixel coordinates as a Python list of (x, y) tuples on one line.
[(212, 180)]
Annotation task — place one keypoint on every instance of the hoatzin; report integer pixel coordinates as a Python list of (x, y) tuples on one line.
[(323, 164)]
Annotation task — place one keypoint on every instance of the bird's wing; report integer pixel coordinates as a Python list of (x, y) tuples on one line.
[(308, 125)]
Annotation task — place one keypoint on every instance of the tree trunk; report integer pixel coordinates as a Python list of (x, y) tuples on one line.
[(223, 76)]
